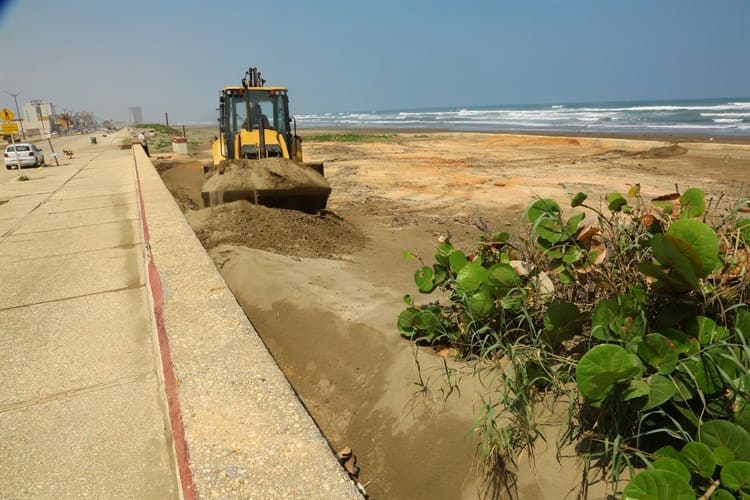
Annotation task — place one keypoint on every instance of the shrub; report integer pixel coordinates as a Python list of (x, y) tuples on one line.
[(158, 128), (634, 311)]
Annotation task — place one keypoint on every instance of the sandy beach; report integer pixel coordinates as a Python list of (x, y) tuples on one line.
[(324, 291)]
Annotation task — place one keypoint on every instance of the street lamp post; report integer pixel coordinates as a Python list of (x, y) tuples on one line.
[(20, 120)]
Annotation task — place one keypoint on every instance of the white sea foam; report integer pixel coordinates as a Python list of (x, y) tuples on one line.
[(707, 116), (726, 115), (680, 126)]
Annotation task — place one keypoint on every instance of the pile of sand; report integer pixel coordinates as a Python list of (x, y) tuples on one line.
[(269, 181), (287, 232)]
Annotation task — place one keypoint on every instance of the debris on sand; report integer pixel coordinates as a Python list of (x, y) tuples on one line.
[(348, 461)]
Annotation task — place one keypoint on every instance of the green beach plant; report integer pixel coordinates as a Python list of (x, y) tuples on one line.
[(634, 312), (158, 128), (350, 137)]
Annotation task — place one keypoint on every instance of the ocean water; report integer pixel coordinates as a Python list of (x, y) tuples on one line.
[(709, 116)]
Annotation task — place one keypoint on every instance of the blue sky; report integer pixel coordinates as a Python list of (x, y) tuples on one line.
[(338, 55)]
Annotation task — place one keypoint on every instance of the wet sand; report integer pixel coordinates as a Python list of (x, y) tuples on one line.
[(329, 317)]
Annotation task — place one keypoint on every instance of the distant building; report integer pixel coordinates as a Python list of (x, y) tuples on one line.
[(135, 115), (38, 117), (84, 120)]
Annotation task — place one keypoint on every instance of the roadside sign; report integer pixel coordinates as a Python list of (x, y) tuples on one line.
[(9, 128), (6, 114)]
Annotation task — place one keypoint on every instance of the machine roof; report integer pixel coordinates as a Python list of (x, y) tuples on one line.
[(240, 87)]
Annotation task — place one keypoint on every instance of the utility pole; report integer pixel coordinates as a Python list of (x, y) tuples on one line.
[(20, 120), (49, 140)]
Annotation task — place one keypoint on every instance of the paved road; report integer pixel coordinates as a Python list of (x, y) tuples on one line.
[(59, 143)]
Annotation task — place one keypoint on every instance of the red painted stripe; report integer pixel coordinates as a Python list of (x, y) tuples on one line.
[(170, 381)]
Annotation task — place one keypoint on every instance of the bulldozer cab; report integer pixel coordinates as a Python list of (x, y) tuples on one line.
[(258, 110)]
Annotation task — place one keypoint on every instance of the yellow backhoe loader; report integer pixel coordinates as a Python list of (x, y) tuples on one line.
[(258, 154)]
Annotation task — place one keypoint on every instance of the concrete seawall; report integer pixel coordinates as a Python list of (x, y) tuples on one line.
[(247, 433)]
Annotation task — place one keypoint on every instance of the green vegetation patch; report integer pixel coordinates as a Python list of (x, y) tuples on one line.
[(158, 127), (351, 137), (636, 316)]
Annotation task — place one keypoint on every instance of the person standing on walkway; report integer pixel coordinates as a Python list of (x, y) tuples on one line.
[(144, 142)]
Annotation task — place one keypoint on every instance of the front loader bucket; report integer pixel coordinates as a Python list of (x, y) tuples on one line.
[(272, 182)]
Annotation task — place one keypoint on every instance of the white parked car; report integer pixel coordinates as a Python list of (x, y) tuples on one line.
[(27, 155)]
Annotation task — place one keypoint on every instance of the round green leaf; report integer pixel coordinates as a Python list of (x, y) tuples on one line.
[(657, 351), (604, 315), (743, 225), (715, 433), (692, 203), (742, 322), (443, 251), (703, 241), (604, 366), (680, 256), (457, 260), (471, 276), (561, 322), (481, 304), (427, 320), (500, 237), (550, 230), (679, 340), (440, 274), (699, 459), (505, 275), (638, 388), (658, 484), (573, 255), (707, 369), (668, 451), (578, 199), (736, 476), (722, 494), (672, 465), (723, 455), (541, 207), (706, 330), (424, 278), (407, 321), (661, 390), (615, 202), (742, 415), (572, 225)]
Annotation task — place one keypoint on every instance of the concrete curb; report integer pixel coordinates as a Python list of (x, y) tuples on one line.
[(169, 383), (247, 433)]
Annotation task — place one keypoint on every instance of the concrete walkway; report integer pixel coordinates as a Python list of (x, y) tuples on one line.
[(127, 369)]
